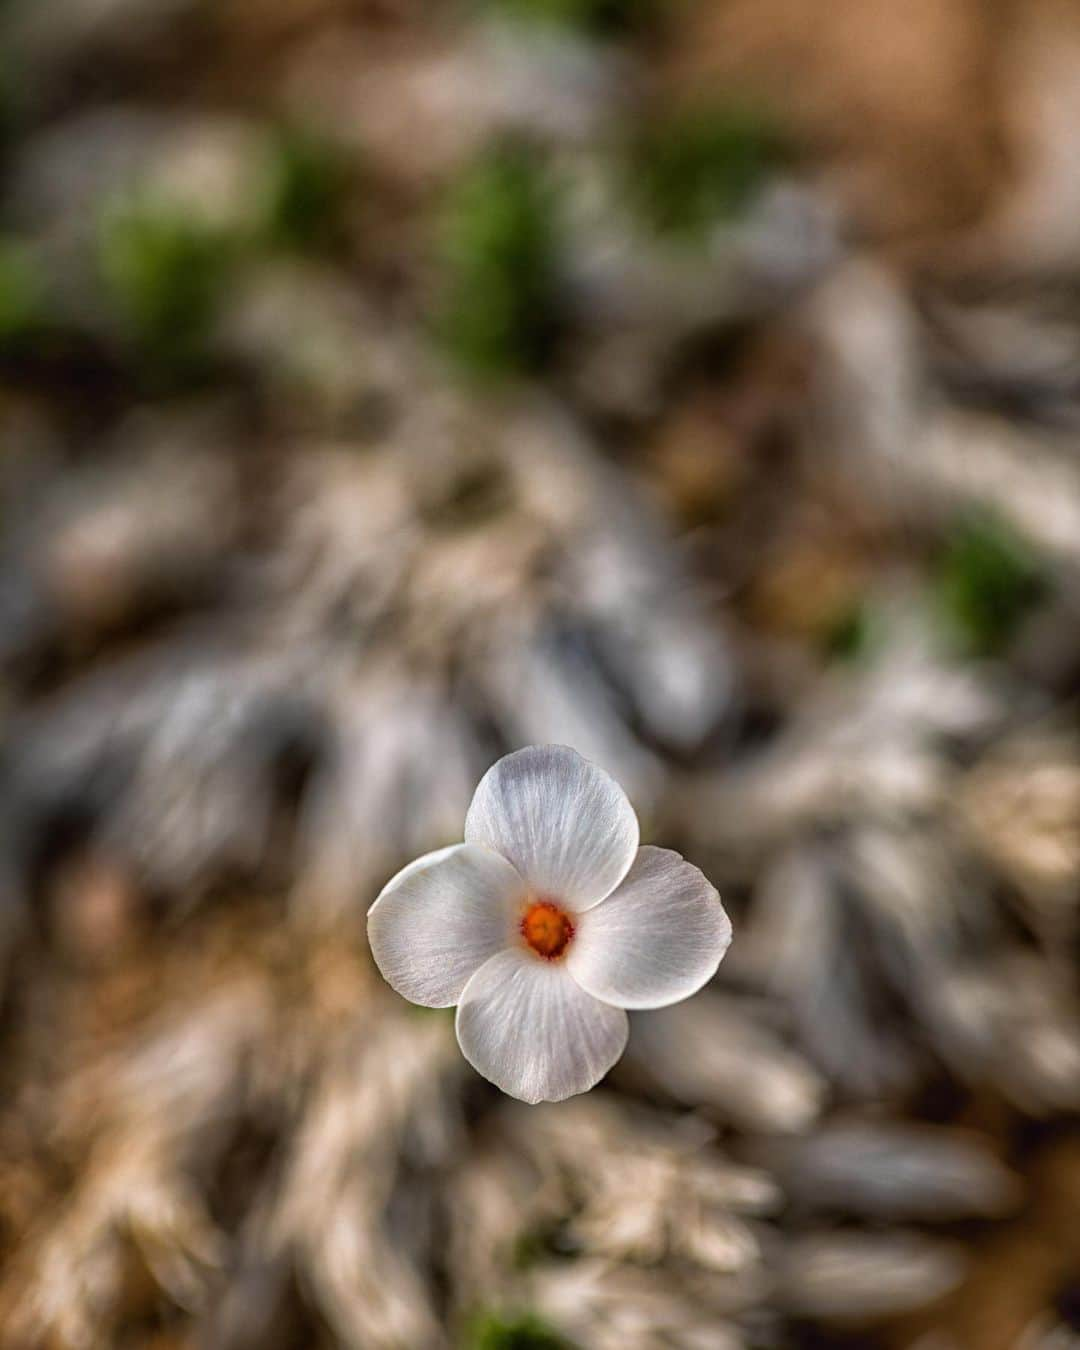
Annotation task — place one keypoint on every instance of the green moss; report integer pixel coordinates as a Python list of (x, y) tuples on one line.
[(854, 634), (163, 272), (701, 165), (307, 180), (22, 295), (508, 1332), (987, 581), (498, 256)]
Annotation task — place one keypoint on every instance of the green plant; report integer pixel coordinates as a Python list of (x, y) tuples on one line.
[(489, 1331), (702, 164), (853, 634), (163, 272), (307, 178), (498, 257), (988, 579), (22, 291)]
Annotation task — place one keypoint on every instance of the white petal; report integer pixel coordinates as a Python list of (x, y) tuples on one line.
[(655, 940), (526, 1025), (565, 824), (440, 919)]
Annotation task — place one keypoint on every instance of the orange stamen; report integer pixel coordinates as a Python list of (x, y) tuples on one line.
[(547, 929)]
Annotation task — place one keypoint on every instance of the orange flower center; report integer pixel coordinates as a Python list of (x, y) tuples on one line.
[(547, 929)]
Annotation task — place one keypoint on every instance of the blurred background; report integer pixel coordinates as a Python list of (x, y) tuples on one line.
[(386, 384)]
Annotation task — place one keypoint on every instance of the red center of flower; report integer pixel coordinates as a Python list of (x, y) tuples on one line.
[(547, 929)]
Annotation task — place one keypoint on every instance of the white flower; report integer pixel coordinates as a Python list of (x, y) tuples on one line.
[(545, 924)]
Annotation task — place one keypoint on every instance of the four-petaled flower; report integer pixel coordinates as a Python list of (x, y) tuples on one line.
[(545, 924)]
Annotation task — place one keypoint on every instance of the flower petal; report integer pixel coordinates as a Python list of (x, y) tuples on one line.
[(564, 823), (528, 1027), (437, 922), (656, 939)]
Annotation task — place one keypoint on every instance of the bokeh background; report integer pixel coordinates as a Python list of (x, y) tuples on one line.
[(386, 384)]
